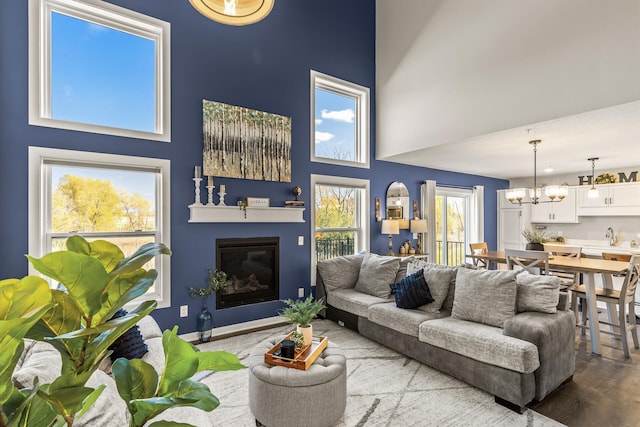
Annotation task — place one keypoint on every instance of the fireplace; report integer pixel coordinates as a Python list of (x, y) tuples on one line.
[(252, 265)]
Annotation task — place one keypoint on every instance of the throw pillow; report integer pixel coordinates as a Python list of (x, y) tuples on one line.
[(375, 275), (485, 296), (340, 272), (402, 271), (441, 280), (537, 293), (130, 345), (412, 291)]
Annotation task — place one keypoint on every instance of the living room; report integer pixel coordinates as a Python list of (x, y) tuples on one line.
[(265, 67)]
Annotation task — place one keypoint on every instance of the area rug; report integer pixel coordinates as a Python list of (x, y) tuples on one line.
[(384, 388)]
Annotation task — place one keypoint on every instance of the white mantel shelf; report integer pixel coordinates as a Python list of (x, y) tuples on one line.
[(206, 213)]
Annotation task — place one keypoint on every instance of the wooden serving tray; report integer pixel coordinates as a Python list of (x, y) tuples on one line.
[(303, 359)]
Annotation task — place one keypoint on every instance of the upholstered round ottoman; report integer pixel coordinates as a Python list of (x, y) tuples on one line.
[(280, 396)]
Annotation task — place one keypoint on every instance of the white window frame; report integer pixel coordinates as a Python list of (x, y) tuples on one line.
[(40, 210), (362, 213), (108, 15), (361, 95)]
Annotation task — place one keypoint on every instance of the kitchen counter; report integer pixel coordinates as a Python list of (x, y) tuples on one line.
[(594, 248)]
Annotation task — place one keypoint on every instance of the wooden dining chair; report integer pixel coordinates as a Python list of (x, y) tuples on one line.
[(566, 279), (535, 262), (477, 249), (616, 257), (624, 299)]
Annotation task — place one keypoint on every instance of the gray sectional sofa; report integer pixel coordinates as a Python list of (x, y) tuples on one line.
[(509, 334)]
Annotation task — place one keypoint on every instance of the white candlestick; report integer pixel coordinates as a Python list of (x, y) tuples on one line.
[(196, 182), (210, 180), (197, 172), (210, 194), (222, 188)]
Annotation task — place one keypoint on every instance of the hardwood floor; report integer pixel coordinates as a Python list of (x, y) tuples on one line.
[(605, 390)]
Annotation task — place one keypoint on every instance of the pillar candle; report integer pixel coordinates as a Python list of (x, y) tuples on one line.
[(197, 173), (222, 188), (210, 181)]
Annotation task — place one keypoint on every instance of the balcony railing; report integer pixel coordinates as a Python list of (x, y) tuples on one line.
[(455, 252), (331, 248)]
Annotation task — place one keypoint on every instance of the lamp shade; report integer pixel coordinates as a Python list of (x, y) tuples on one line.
[(418, 225), (234, 12), (390, 226)]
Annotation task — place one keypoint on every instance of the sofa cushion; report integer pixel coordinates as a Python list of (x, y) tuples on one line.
[(403, 320), (448, 302), (412, 291), (485, 296), (376, 273), (340, 272), (353, 301), (537, 293), (39, 359), (438, 280), (402, 270), (480, 342)]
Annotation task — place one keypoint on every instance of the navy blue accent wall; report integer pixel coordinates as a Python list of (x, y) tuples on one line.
[(264, 66)]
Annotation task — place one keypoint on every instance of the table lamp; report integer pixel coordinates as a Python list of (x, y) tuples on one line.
[(419, 226), (390, 227)]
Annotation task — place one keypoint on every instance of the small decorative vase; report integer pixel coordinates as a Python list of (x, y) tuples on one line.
[(307, 333), (205, 323), (535, 247)]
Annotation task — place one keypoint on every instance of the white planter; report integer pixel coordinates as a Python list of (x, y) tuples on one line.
[(307, 333)]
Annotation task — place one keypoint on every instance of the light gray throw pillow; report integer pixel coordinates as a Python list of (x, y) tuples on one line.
[(438, 280), (422, 264), (340, 272), (537, 293), (376, 274), (485, 296)]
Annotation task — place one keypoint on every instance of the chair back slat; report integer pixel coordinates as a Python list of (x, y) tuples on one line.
[(535, 262), (564, 250), (631, 279), (479, 248)]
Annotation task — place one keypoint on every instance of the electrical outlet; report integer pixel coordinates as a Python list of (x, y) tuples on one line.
[(300, 292), (300, 240), (184, 311)]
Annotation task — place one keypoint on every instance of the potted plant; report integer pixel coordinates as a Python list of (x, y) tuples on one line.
[(301, 313), (217, 281), (535, 239)]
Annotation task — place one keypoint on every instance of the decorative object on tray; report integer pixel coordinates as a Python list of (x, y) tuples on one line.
[(217, 281), (535, 239), (243, 143), (296, 191), (606, 178), (301, 313), (197, 178), (302, 359)]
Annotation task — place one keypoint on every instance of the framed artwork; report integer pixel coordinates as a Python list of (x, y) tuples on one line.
[(243, 143)]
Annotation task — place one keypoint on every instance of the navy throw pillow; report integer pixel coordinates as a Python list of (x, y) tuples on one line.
[(412, 291), (130, 345)]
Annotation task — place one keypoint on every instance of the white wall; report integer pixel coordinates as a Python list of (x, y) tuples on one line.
[(448, 70)]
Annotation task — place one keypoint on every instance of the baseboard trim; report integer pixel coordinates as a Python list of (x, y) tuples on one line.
[(238, 328)]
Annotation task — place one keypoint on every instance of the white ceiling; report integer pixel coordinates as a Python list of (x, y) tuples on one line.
[(612, 134)]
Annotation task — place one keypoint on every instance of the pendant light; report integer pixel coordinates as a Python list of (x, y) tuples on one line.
[(234, 12), (593, 192)]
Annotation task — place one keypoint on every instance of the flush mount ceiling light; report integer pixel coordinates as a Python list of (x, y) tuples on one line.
[(553, 192), (234, 12), (593, 191)]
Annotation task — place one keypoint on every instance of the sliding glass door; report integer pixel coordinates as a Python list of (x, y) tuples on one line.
[(452, 225)]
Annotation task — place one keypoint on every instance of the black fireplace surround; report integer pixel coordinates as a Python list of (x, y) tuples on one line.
[(252, 265)]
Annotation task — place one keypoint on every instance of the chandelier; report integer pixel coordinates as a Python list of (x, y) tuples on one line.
[(234, 12), (555, 193)]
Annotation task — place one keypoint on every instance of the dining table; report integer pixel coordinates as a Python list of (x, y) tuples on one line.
[(588, 267)]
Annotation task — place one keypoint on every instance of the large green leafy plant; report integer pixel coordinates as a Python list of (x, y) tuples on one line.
[(99, 281)]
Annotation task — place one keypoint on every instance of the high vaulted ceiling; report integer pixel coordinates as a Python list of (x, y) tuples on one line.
[(461, 81)]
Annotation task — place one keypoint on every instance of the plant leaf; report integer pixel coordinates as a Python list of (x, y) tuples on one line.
[(124, 289), (146, 409), (20, 297), (180, 361), (135, 379), (65, 401), (140, 258), (204, 399), (84, 277), (90, 400), (104, 251), (218, 361)]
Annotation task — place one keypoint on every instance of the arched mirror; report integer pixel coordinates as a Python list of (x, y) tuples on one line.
[(398, 203)]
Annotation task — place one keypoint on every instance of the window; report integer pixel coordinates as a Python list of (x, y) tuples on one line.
[(339, 121), (340, 222), (122, 199), (452, 225), (97, 67)]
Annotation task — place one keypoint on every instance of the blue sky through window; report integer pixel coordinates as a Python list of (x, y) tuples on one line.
[(101, 76), (335, 125)]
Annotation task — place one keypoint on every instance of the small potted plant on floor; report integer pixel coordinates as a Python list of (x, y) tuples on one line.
[(535, 239), (217, 282), (301, 313)]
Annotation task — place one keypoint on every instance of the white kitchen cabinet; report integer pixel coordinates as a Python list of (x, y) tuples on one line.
[(563, 211), (511, 222), (612, 200)]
